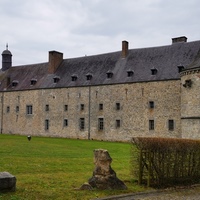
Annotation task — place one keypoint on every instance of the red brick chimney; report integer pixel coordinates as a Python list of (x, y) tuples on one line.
[(124, 49), (55, 59)]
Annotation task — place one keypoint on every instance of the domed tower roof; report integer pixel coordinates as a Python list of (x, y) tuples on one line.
[(6, 52), (6, 59)]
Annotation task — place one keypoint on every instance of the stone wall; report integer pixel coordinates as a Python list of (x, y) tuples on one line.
[(132, 115)]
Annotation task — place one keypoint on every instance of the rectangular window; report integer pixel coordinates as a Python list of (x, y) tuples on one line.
[(47, 107), (8, 109), (118, 123), (65, 122), (100, 106), (82, 107), (100, 124), (82, 123), (46, 124), (151, 104), (171, 124), (17, 108), (151, 124), (29, 109), (65, 107), (117, 106)]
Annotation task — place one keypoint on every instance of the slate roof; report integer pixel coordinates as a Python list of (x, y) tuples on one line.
[(165, 59)]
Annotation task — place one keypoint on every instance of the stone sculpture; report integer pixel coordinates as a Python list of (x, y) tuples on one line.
[(104, 177)]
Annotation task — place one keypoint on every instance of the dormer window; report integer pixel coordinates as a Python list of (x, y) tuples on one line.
[(33, 81), (15, 83), (154, 71), (89, 77), (56, 79), (180, 68), (74, 77), (109, 74), (130, 73)]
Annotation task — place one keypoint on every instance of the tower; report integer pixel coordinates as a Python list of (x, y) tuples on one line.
[(6, 59), (190, 103)]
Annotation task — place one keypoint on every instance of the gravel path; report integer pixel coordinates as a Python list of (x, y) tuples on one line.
[(185, 193)]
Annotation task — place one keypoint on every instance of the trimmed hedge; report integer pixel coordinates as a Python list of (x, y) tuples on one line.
[(166, 161)]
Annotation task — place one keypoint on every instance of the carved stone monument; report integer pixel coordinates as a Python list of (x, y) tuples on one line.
[(104, 177), (7, 182)]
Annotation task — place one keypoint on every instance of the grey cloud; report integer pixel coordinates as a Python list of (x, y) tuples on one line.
[(79, 27)]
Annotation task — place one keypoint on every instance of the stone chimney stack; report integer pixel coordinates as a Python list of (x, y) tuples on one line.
[(124, 49), (179, 39), (55, 59)]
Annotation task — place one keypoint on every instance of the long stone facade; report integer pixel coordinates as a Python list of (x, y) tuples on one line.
[(113, 97), (124, 108)]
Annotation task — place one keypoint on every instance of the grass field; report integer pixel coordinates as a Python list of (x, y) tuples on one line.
[(51, 168)]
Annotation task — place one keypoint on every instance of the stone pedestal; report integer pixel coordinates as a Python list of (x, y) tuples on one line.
[(7, 182)]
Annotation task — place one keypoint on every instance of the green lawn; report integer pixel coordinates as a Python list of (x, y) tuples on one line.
[(52, 168)]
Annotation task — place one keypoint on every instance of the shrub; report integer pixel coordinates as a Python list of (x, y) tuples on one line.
[(166, 161)]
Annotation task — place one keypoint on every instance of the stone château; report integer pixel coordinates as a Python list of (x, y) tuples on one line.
[(113, 96)]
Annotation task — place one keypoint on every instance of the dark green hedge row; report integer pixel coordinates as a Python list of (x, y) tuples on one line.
[(166, 161)]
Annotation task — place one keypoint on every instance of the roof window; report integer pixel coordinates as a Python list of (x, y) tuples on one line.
[(154, 71), (15, 83), (109, 74), (180, 68), (56, 79), (130, 73), (88, 76), (33, 81), (74, 77)]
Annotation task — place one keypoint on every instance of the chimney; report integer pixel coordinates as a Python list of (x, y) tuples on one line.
[(55, 59), (124, 49), (179, 39)]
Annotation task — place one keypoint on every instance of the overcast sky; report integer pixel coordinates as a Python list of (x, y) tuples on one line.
[(88, 27)]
